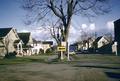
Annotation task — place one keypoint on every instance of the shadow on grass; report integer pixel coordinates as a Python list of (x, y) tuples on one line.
[(102, 67), (113, 75), (37, 60), (20, 61)]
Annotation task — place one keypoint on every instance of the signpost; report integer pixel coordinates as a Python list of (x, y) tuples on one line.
[(64, 47), (61, 49)]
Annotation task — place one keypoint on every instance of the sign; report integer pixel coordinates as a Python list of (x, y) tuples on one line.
[(61, 48), (63, 44)]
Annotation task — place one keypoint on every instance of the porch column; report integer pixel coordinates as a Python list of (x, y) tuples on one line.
[(18, 48), (21, 49)]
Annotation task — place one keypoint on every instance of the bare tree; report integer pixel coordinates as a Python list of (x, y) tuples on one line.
[(63, 10), (55, 28)]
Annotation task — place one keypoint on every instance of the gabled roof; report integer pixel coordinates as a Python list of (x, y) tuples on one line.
[(117, 21), (4, 31), (24, 37), (96, 40)]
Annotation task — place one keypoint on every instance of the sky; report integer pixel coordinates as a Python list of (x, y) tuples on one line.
[(12, 15)]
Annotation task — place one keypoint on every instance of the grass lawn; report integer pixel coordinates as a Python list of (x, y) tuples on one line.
[(22, 60), (82, 68)]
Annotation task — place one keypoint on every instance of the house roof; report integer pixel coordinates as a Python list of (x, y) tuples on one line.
[(117, 21), (47, 42), (96, 40), (24, 37), (36, 41), (4, 31), (74, 44), (16, 41)]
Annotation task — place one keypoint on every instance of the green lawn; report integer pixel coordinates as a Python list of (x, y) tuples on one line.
[(82, 68), (97, 58), (25, 59)]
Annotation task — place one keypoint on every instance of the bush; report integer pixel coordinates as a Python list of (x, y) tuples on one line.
[(41, 51), (11, 55), (49, 50)]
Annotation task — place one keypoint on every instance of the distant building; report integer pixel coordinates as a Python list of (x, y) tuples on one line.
[(38, 45), (103, 44), (46, 45), (102, 40), (92, 45), (86, 44), (117, 33)]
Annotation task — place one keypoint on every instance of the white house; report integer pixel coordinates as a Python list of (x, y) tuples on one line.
[(103, 40), (86, 44), (27, 41), (46, 45), (37, 45), (8, 38)]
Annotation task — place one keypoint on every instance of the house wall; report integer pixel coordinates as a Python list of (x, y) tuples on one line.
[(9, 42), (30, 40), (45, 47), (36, 48), (80, 47), (2, 51), (102, 42), (91, 43)]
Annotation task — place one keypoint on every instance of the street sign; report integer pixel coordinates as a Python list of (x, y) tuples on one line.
[(61, 48)]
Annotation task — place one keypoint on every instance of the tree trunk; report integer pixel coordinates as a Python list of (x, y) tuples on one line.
[(67, 30), (65, 37)]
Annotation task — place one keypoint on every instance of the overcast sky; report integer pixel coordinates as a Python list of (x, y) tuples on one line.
[(12, 15)]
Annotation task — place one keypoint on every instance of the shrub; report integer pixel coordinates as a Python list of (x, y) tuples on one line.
[(49, 50), (11, 55), (41, 51)]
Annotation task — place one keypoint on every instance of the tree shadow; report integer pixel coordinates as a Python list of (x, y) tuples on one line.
[(10, 55), (93, 66), (113, 75)]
